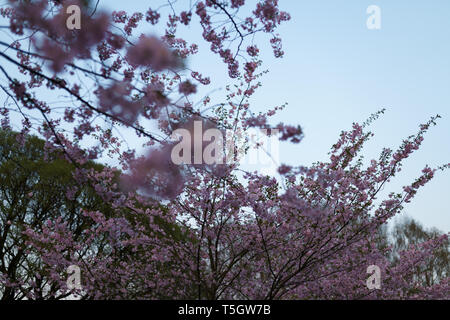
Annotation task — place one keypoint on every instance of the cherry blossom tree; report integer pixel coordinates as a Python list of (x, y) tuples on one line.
[(36, 188), (408, 232), (194, 231), (311, 238), (112, 78)]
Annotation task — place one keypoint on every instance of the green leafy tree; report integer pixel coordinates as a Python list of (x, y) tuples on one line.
[(33, 190)]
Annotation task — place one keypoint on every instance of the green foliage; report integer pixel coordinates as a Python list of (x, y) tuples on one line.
[(33, 190)]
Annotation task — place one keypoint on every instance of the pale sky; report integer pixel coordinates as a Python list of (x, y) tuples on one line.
[(336, 71)]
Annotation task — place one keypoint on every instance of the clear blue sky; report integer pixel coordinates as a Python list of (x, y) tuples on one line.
[(336, 71)]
